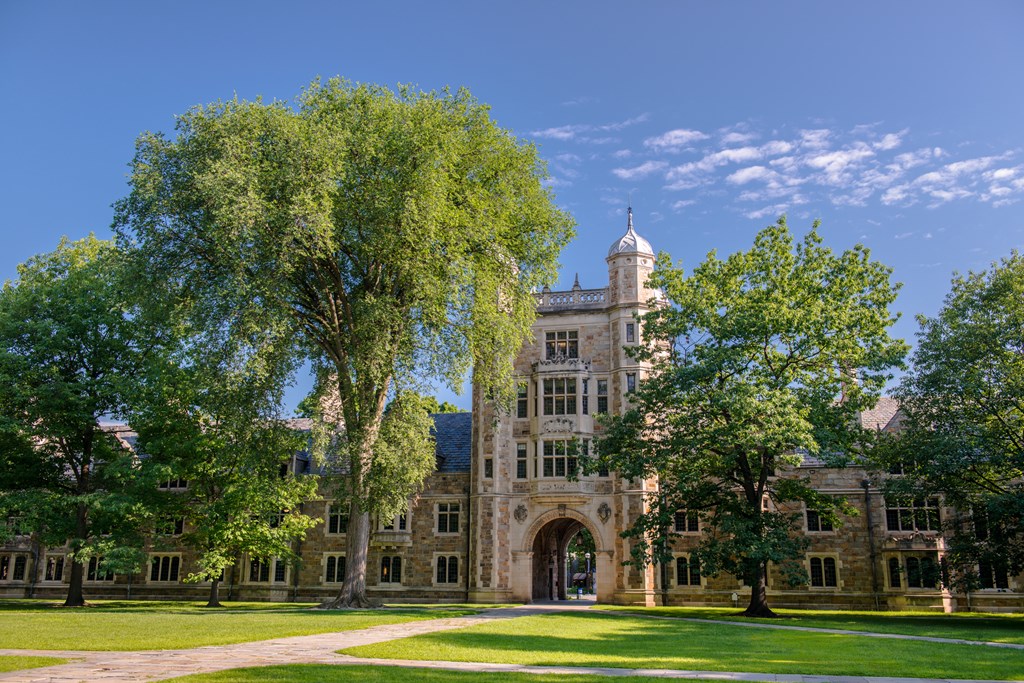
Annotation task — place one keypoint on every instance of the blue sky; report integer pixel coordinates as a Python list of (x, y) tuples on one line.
[(898, 124)]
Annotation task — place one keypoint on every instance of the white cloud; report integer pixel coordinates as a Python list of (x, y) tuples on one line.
[(749, 174), (674, 140), (774, 147), (737, 138), (890, 141), (568, 158), (575, 131), (773, 210), (903, 235), (837, 166), (815, 139), (682, 204), (622, 154), (642, 171)]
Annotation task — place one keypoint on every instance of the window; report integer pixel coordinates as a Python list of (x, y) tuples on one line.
[(522, 400), (560, 396), (164, 567), (630, 333), (391, 569), (564, 344), (586, 397), (824, 573), (12, 567), (488, 468), (602, 396), (992, 575), (559, 458), (687, 522), (630, 382), (337, 519), (922, 572), (687, 571), (54, 568), (174, 484), (96, 572), (396, 523), (447, 569), (816, 523), (261, 571), (921, 514), (894, 572), (171, 526), (521, 461), (334, 569), (919, 571), (447, 518)]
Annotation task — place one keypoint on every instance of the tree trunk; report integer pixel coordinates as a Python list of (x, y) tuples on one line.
[(357, 545), (76, 598), (214, 600), (758, 606)]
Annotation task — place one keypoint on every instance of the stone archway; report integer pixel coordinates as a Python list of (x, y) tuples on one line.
[(550, 544)]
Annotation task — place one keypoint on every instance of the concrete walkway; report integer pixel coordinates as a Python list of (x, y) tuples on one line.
[(152, 665)]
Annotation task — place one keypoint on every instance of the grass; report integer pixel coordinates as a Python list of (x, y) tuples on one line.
[(17, 662), (143, 625), (997, 628), (326, 673), (604, 640)]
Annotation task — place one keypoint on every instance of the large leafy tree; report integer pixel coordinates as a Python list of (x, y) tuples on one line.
[(69, 354), (214, 426), (962, 428), (757, 360), (386, 235)]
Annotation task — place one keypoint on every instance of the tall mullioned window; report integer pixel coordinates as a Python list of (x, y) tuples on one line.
[(602, 396), (562, 344), (164, 567), (559, 458), (447, 518), (920, 514), (687, 571), (334, 569), (521, 461), (337, 519), (823, 572), (391, 569), (522, 403), (560, 396)]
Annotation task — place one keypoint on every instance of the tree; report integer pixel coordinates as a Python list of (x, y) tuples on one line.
[(388, 236), (962, 426), (68, 355), (753, 361), (215, 428)]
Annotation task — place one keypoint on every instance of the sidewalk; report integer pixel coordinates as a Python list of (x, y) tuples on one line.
[(152, 665)]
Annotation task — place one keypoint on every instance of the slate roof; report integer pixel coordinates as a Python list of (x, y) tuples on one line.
[(884, 416), (453, 433)]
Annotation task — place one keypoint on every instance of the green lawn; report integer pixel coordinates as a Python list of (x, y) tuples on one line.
[(16, 663), (325, 673), (997, 628), (595, 639), (140, 625)]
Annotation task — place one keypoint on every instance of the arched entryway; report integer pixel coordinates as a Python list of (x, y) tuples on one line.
[(550, 573)]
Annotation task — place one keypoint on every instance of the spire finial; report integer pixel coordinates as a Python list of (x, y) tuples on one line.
[(629, 219), (576, 282)]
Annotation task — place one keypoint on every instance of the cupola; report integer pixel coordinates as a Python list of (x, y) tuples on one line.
[(631, 242)]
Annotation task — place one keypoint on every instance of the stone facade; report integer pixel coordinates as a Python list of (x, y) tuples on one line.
[(493, 523)]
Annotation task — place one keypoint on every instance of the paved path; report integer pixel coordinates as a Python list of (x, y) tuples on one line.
[(152, 665)]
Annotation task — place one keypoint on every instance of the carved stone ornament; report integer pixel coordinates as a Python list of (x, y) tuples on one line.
[(604, 512), (520, 514)]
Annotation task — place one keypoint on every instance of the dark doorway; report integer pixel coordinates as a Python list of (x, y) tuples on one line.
[(550, 568)]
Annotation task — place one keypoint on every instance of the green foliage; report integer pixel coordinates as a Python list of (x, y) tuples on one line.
[(962, 428), (216, 424), (69, 355), (389, 236), (432, 406), (753, 366)]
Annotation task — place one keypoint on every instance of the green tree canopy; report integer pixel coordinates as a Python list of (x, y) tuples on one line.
[(68, 356), (962, 425), (756, 360), (215, 427), (388, 236)]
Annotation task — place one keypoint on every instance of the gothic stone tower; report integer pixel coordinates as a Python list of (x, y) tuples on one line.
[(524, 509)]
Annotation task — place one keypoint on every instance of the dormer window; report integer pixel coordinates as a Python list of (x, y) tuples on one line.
[(563, 344)]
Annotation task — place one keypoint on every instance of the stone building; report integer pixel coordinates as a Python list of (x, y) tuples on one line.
[(494, 521)]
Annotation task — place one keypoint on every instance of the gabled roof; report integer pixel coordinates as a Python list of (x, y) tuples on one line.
[(453, 433), (885, 416)]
